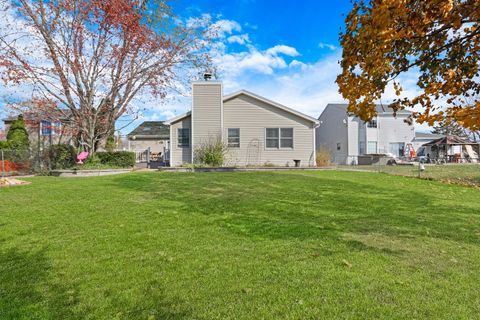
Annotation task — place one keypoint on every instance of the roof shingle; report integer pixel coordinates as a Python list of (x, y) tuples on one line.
[(151, 130)]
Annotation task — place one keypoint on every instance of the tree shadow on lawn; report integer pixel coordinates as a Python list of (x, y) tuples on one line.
[(27, 292), (153, 302), (301, 206)]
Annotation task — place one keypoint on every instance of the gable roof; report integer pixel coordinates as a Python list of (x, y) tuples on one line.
[(380, 108), (256, 97), (151, 130), (269, 102), (450, 140), (427, 135)]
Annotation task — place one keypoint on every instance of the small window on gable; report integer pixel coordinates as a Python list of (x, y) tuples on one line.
[(233, 137), (372, 123), (183, 137)]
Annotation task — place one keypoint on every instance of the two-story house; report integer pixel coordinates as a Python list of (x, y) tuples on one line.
[(257, 131), (347, 136), (44, 132)]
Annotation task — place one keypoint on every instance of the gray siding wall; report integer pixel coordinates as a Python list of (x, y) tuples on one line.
[(180, 155), (333, 131), (207, 102), (393, 130), (252, 117)]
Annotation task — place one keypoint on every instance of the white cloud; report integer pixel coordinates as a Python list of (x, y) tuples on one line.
[(199, 22), (323, 45), (283, 49), (278, 73), (240, 39), (297, 64), (304, 87), (253, 60), (224, 27)]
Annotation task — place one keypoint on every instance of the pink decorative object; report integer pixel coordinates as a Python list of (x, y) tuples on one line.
[(82, 156)]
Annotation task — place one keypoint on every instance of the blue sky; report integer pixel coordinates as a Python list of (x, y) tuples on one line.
[(286, 51), (302, 24)]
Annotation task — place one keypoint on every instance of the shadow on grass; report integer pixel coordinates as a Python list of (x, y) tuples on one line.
[(308, 206), (154, 303), (25, 290)]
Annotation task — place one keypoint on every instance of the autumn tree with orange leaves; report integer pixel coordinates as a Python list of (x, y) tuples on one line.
[(89, 59), (438, 39)]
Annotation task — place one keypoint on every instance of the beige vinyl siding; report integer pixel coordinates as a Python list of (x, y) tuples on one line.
[(206, 111), (143, 144), (180, 155), (252, 117)]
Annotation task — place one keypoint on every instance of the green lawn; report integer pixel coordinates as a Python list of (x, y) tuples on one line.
[(289, 245), (457, 173)]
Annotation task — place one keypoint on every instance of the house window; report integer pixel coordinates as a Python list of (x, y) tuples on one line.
[(272, 137), (397, 149), (183, 137), (372, 123), (51, 128), (234, 137), (286, 138), (46, 128), (372, 147), (279, 138), (339, 146)]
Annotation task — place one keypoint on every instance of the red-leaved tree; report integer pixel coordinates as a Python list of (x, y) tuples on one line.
[(89, 59)]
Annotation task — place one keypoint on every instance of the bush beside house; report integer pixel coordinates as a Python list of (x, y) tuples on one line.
[(61, 156), (211, 153), (323, 157)]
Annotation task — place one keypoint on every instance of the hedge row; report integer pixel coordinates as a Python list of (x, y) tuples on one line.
[(121, 159), (64, 156)]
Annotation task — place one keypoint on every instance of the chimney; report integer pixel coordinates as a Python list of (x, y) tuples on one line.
[(207, 111), (207, 76)]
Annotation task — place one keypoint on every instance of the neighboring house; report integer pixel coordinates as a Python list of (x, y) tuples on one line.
[(347, 136), (150, 134), (42, 133), (421, 138), (258, 131), (3, 135), (153, 135)]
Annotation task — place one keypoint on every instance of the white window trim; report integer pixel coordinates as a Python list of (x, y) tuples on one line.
[(189, 138), (279, 138), (239, 138)]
